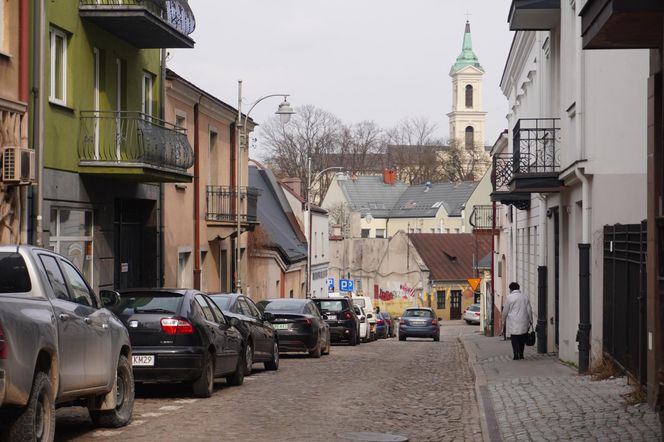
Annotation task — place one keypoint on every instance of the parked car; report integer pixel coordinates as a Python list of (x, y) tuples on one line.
[(180, 335), (419, 322), (389, 321), (364, 323), (381, 326), (472, 314), (340, 316), (367, 304), (262, 343), (299, 324), (59, 344)]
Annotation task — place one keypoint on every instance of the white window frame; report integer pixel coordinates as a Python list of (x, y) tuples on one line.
[(118, 107), (146, 108), (96, 93), (56, 239), (54, 33)]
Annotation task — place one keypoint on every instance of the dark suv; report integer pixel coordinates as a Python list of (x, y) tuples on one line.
[(340, 316)]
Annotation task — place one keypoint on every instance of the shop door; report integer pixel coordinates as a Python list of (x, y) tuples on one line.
[(455, 304), (136, 259)]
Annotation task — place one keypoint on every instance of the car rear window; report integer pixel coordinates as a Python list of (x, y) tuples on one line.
[(279, 306), (336, 305), (474, 308), (221, 301), (132, 303), (14, 277), (359, 302), (419, 313)]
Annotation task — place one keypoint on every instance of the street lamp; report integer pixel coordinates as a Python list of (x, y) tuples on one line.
[(284, 111), (307, 229)]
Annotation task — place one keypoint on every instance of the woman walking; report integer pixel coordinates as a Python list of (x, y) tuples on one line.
[(517, 317)]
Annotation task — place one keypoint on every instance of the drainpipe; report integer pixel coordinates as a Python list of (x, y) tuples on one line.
[(24, 76), (542, 295), (583, 335), (197, 200), (162, 117), (493, 268), (38, 118)]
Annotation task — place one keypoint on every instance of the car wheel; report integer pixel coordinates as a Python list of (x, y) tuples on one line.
[(237, 378), (402, 337), (357, 338), (468, 322), (36, 422), (316, 352), (204, 385), (248, 359), (436, 338), (124, 399), (273, 364), (353, 341), (328, 347)]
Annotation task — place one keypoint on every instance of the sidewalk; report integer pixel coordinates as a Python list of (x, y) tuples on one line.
[(540, 399)]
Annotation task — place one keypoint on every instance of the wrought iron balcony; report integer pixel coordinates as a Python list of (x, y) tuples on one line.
[(534, 15), (133, 145), (221, 204), (143, 23), (481, 217), (501, 178), (536, 159)]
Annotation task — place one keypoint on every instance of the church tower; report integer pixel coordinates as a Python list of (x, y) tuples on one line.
[(467, 117)]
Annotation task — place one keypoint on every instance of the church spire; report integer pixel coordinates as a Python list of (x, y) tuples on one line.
[(467, 56)]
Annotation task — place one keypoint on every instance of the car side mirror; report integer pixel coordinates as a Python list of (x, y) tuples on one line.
[(109, 298), (324, 317), (267, 316), (369, 316), (234, 322)]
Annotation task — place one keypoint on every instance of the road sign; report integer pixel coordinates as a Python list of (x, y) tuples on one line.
[(346, 285), (474, 283), (330, 284)]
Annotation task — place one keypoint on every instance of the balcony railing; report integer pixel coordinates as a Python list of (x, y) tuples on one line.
[(133, 140), (222, 202), (536, 145), (144, 23), (503, 170), (482, 217)]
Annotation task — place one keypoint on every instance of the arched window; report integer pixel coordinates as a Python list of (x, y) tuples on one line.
[(469, 96), (470, 137)]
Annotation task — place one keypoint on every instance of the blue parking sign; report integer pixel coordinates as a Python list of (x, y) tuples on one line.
[(330, 284), (346, 285)]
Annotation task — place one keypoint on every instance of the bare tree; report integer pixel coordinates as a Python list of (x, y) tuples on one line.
[(359, 145), (339, 215), (462, 163)]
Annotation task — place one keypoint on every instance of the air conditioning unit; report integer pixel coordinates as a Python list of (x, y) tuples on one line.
[(18, 165)]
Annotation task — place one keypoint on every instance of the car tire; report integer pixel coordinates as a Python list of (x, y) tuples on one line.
[(402, 338), (353, 341), (328, 347), (436, 338), (248, 359), (468, 322), (37, 420), (124, 407), (237, 377), (357, 338), (204, 385), (273, 364), (316, 352)]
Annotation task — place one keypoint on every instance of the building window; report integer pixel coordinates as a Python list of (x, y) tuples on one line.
[(456, 230), (290, 294), (469, 96), (432, 230), (58, 92), (184, 270), (146, 103), (470, 137), (440, 299), (365, 233), (213, 158), (380, 233), (447, 230), (439, 230), (71, 236), (419, 230)]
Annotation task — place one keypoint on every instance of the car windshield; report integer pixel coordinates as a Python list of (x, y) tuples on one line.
[(474, 308), (284, 306), (221, 301), (14, 277), (132, 303), (359, 303), (418, 313), (330, 306)]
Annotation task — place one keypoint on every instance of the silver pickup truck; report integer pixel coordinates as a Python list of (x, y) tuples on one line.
[(59, 345)]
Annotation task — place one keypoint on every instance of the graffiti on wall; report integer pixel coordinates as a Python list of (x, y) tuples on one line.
[(403, 292)]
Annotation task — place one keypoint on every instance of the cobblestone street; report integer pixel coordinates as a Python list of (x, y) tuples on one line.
[(422, 390)]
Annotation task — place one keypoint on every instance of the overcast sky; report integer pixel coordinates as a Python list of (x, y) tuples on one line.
[(380, 60)]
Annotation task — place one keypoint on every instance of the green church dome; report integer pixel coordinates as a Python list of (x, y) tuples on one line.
[(467, 56)]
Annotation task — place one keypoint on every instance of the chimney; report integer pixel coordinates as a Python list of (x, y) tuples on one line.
[(389, 176), (294, 184)]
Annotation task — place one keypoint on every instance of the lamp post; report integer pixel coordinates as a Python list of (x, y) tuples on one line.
[(284, 111), (307, 229)]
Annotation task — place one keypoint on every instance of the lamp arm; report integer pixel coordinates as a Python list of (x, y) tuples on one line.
[(246, 116), (318, 175)]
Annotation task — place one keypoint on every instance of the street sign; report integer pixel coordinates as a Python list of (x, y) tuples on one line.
[(474, 283), (346, 285), (330, 284)]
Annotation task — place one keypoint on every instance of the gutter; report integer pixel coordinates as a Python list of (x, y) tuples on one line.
[(38, 118)]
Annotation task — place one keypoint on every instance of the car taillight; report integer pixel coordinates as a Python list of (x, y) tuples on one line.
[(306, 322), (347, 315), (380, 321), (4, 346), (402, 322), (173, 326), (434, 322)]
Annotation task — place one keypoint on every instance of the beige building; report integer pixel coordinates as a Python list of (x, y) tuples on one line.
[(200, 218)]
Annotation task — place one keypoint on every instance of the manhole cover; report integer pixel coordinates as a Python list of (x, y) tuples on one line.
[(372, 437)]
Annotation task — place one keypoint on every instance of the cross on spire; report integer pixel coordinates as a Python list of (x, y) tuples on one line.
[(468, 14)]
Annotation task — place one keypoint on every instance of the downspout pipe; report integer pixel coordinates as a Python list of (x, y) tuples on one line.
[(162, 186), (197, 199), (493, 268), (542, 286), (38, 118), (23, 44), (583, 335)]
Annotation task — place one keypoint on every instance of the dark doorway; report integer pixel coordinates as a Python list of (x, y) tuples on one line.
[(455, 304), (136, 258), (556, 271)]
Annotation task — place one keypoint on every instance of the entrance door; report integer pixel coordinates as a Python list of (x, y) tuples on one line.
[(455, 304), (135, 244)]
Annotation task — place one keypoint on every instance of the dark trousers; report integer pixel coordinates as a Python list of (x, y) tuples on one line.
[(518, 345)]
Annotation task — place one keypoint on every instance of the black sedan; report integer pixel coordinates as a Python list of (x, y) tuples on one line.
[(340, 316), (180, 335), (299, 324), (260, 336)]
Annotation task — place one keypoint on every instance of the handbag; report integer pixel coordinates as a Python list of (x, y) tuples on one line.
[(530, 337)]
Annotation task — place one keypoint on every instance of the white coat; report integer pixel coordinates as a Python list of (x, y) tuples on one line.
[(517, 313)]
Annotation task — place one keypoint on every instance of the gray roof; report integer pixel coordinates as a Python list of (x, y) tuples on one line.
[(273, 217), (370, 194)]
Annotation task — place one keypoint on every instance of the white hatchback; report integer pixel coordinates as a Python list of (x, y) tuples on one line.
[(365, 328)]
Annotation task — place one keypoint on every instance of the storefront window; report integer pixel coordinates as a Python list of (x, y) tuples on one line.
[(71, 236)]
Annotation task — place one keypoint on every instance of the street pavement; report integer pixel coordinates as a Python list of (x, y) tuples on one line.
[(539, 399), (418, 389)]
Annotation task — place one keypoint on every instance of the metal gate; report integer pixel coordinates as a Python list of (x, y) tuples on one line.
[(624, 326)]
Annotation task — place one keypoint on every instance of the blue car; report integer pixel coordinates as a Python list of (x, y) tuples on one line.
[(381, 326), (419, 322)]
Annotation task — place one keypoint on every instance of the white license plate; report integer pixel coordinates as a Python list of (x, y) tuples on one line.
[(142, 360), (280, 326), (419, 323), (332, 317)]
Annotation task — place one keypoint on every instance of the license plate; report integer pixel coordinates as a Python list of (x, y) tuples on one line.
[(280, 326), (419, 323), (142, 360), (332, 317)]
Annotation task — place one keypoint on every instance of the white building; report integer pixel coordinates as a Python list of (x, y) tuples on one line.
[(572, 162)]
